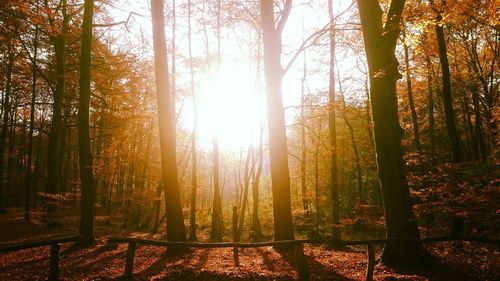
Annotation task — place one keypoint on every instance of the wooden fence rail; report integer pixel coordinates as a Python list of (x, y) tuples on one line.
[(55, 246), (300, 260), (298, 245)]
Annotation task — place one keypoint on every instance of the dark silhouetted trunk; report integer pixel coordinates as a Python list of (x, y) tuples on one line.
[(6, 108), (84, 146), (449, 112), (380, 43), (54, 149)]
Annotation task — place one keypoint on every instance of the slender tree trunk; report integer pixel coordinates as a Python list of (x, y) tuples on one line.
[(449, 112), (414, 118), (280, 178), (246, 184), (176, 230), (84, 146), (194, 168), (53, 150), (380, 43), (430, 101), (316, 179), (29, 152), (217, 222), (256, 227), (477, 126), (354, 149), (303, 166), (6, 108), (217, 229), (332, 129)]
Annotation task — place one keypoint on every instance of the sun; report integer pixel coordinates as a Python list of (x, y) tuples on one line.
[(229, 106)]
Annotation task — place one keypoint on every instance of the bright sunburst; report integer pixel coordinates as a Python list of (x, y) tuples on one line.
[(229, 105)]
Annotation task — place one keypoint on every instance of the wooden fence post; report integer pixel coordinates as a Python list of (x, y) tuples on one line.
[(129, 262), (235, 235), (301, 263), (371, 262), (54, 262)]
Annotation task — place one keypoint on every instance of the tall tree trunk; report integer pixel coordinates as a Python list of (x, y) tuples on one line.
[(29, 152), (280, 177), (54, 150), (414, 119), (354, 147), (332, 129), (194, 168), (176, 230), (449, 112), (217, 229), (380, 43), (303, 166), (6, 108), (477, 126), (246, 184), (84, 146), (256, 227), (217, 222), (430, 101)]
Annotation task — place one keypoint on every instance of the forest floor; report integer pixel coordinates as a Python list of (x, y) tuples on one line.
[(453, 261)]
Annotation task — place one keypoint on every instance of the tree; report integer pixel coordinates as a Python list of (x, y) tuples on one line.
[(411, 102), (447, 98), (332, 128), (273, 71), (217, 221), (380, 43), (84, 146), (194, 169), (176, 230), (54, 150)]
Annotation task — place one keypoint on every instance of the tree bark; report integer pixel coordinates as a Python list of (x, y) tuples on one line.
[(273, 71), (176, 230), (449, 112), (194, 167), (6, 108), (54, 141), (84, 146), (380, 43), (29, 152), (414, 118), (332, 129)]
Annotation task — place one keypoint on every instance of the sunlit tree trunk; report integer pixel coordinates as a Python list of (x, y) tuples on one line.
[(176, 230), (430, 102), (84, 147), (280, 178), (303, 147), (380, 43), (246, 184), (354, 147), (332, 130), (414, 119), (217, 222), (194, 167), (256, 227)]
